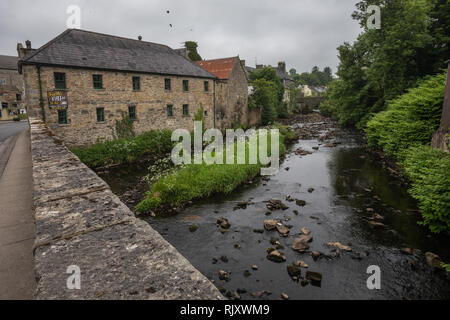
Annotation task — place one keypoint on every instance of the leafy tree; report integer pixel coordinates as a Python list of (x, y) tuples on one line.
[(269, 74), (265, 97), (292, 72), (191, 47)]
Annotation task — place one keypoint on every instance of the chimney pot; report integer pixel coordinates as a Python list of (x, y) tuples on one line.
[(139, 38), (28, 44)]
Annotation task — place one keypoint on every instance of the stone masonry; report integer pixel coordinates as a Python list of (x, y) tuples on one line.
[(80, 222), (118, 94)]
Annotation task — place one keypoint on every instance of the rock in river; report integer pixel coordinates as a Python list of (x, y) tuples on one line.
[(301, 264), (314, 277), (270, 224), (339, 246), (301, 243), (294, 271), (306, 231), (433, 260), (223, 275), (223, 223), (300, 203), (276, 256)]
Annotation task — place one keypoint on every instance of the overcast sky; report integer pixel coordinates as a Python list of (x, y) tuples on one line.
[(303, 33)]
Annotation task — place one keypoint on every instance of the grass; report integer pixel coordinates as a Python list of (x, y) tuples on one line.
[(196, 181), (126, 150)]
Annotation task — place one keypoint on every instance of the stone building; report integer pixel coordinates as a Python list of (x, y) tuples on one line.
[(231, 93), (81, 82), (11, 88)]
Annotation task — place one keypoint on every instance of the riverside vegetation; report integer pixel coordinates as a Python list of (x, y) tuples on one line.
[(390, 85)]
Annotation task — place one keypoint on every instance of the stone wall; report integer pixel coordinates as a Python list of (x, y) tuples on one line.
[(118, 94), (232, 98), (80, 222), (13, 86)]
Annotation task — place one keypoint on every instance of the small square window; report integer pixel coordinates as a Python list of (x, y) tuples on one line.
[(62, 116), (186, 85), (206, 85), (185, 109), (167, 84), (206, 113), (97, 81), (100, 114), (170, 110), (132, 112), (136, 83), (18, 97), (60, 80)]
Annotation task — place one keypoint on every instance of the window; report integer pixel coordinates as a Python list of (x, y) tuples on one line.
[(132, 112), (100, 114), (60, 80), (62, 116), (14, 105), (185, 109), (170, 110), (167, 84), (206, 84), (136, 83), (2, 82), (186, 85), (18, 97), (206, 113), (97, 81)]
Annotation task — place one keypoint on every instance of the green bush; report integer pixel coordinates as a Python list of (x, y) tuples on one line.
[(195, 181), (428, 169), (410, 119), (154, 143)]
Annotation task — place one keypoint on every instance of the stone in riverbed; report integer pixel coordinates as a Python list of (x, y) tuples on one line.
[(276, 256), (339, 246), (433, 260), (300, 244), (223, 275), (310, 190), (284, 296), (254, 267), (376, 217), (223, 223), (376, 225), (282, 230), (270, 224), (314, 277), (294, 271), (306, 231), (193, 228), (301, 264), (300, 203), (407, 251)]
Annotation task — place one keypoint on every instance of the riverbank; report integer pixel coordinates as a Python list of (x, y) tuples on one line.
[(345, 191)]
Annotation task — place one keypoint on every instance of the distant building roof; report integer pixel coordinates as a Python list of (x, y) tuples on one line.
[(221, 68), (86, 49), (8, 62)]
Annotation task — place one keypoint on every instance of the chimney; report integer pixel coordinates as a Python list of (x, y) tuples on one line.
[(23, 52), (140, 38), (282, 66), (259, 66)]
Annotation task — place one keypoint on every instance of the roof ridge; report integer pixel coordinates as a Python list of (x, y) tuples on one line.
[(234, 57)]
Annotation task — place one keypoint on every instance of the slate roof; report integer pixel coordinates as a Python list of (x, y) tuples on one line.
[(86, 49), (221, 68), (8, 62)]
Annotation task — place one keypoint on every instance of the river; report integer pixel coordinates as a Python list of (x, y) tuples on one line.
[(350, 186)]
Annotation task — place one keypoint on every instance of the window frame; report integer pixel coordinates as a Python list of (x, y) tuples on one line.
[(206, 86), (167, 84), (185, 85), (18, 95), (94, 81), (169, 107), (185, 107), (134, 113), (57, 82), (138, 87), (102, 114), (64, 118)]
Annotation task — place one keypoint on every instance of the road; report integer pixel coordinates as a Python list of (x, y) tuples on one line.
[(16, 215), (11, 128)]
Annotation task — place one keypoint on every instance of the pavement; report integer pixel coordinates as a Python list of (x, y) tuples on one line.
[(17, 229)]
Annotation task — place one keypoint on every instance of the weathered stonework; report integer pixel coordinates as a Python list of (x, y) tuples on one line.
[(80, 222), (118, 94), (11, 85)]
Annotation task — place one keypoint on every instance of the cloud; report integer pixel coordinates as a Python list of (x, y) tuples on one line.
[(303, 33)]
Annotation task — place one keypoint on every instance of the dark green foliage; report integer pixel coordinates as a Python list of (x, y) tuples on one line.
[(410, 119), (428, 169), (384, 62), (265, 96), (315, 77), (269, 74), (192, 46), (125, 150), (124, 127)]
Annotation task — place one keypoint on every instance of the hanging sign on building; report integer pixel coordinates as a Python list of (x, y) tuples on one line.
[(57, 99)]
